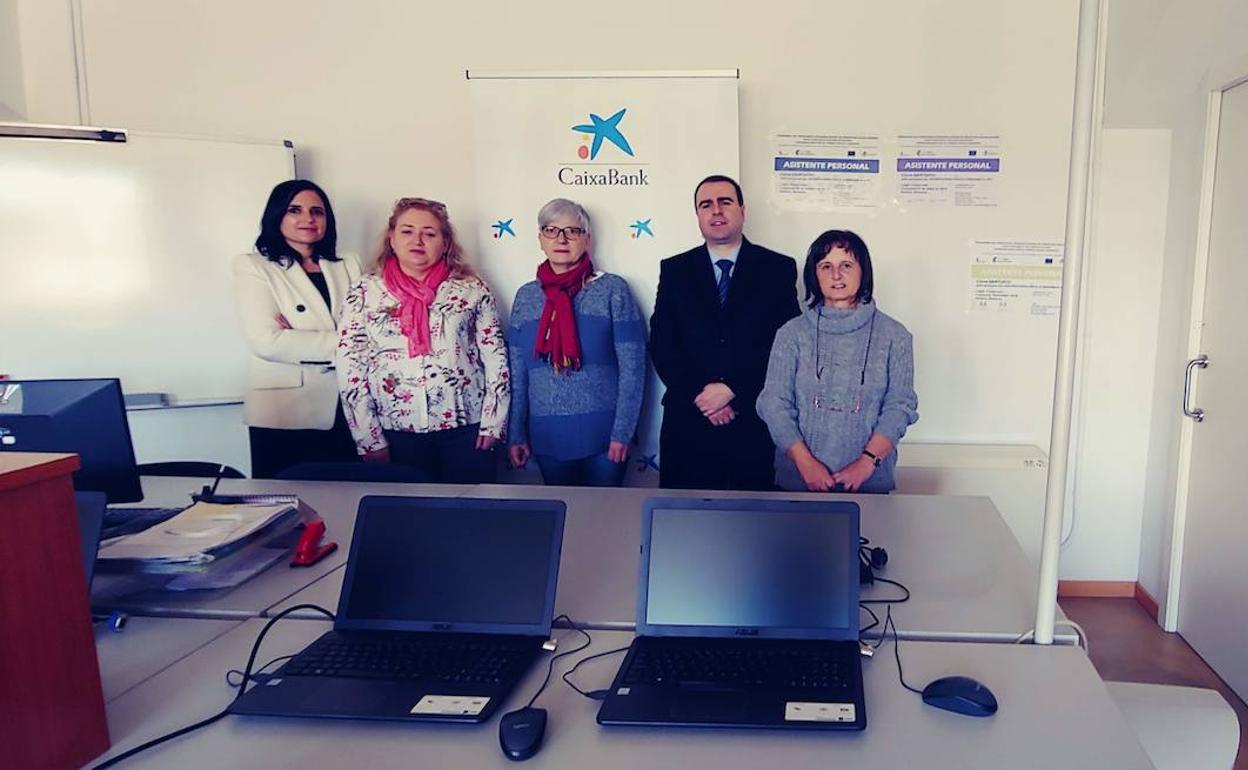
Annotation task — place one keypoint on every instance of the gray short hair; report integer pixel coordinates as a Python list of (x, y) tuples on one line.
[(563, 206)]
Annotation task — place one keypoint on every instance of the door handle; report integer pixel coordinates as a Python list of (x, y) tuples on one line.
[(1201, 361)]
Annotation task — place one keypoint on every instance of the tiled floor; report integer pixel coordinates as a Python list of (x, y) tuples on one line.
[(1127, 645)]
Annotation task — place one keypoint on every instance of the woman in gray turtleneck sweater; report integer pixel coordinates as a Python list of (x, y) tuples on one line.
[(840, 382)]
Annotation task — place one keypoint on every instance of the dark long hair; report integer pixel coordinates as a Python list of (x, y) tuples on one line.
[(845, 239), (271, 244)]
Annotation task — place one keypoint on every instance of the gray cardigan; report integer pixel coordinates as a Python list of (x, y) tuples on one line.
[(835, 377)]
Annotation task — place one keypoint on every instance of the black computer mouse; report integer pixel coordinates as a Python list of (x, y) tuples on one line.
[(962, 695), (520, 732)]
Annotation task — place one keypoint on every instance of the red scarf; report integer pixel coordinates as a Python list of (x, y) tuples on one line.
[(415, 295), (556, 332)]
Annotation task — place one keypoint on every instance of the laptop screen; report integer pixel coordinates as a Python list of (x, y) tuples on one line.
[(761, 568), (453, 564)]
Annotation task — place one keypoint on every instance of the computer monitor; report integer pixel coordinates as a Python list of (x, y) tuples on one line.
[(86, 417)]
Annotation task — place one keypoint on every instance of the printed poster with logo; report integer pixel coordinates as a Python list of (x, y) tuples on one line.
[(630, 149), (825, 172), (1022, 277), (951, 170)]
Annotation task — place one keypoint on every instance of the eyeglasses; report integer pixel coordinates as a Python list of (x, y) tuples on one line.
[(571, 233), (832, 405), (835, 404)]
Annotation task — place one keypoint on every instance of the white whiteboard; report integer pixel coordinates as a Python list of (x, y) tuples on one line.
[(115, 258)]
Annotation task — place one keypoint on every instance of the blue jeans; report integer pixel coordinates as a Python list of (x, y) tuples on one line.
[(593, 471)]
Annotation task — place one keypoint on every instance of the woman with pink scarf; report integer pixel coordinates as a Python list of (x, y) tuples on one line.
[(422, 365)]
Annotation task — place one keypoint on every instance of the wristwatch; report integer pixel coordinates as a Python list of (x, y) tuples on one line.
[(875, 459)]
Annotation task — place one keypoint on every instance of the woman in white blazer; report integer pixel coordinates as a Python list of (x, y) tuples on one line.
[(289, 294)]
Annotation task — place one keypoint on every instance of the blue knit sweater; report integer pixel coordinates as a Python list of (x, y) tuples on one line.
[(575, 414)]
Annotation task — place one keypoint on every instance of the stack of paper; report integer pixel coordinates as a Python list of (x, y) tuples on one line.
[(199, 535)]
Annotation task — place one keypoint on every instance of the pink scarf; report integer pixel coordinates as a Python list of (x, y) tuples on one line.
[(415, 295)]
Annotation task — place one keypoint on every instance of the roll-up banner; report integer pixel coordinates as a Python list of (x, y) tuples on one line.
[(629, 147)]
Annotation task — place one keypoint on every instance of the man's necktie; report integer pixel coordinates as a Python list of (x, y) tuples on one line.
[(725, 270)]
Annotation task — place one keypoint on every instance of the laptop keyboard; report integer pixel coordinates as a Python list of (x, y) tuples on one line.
[(423, 658), (761, 667)]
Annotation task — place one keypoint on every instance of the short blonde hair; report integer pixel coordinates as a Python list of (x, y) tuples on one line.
[(455, 259)]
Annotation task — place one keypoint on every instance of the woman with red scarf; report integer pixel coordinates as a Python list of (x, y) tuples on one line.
[(577, 344), (422, 366)]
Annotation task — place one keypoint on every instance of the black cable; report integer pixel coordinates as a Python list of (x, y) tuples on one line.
[(890, 600), (551, 668), (888, 621), (247, 674), (162, 739), (259, 676), (875, 619), (592, 694), (220, 472)]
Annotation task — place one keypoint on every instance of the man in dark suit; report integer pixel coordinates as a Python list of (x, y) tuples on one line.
[(718, 309)]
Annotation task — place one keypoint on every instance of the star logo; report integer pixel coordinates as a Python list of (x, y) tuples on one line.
[(646, 462), (641, 227), (600, 129), (503, 227)]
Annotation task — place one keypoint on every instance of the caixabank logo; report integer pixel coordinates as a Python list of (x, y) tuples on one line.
[(618, 165)]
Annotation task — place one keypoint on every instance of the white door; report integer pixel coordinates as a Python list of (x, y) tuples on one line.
[(1213, 588)]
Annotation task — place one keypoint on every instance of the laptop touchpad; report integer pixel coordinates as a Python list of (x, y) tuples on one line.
[(366, 697), (709, 706)]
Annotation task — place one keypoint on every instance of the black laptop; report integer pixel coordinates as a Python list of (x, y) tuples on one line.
[(445, 604), (747, 616)]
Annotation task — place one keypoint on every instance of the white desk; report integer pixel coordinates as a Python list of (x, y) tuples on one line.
[(968, 576), (323, 593), (1055, 712), (147, 646), (336, 502)]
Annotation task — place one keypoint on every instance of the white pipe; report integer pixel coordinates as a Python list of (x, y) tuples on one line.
[(1070, 522), (80, 62), (1068, 330)]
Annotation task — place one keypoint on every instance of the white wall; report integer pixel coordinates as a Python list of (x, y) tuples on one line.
[(1160, 53), (208, 433), (49, 70), (12, 88), (372, 94), (1112, 425)]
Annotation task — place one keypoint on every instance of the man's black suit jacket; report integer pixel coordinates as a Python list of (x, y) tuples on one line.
[(694, 341)]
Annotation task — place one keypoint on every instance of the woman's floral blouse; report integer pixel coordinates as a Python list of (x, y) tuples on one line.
[(464, 379)]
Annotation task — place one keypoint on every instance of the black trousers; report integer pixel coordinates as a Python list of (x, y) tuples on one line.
[(693, 454), (275, 449), (446, 456)]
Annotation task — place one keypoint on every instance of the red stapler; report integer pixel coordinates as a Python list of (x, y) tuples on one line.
[(309, 550)]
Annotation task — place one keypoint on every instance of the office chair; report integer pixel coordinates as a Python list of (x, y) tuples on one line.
[(195, 469), (375, 472)]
